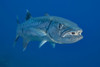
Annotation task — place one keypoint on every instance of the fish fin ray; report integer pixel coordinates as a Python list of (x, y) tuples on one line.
[(28, 15), (17, 37), (25, 43), (42, 43)]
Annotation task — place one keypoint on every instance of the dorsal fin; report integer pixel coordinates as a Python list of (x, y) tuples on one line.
[(28, 15), (46, 14)]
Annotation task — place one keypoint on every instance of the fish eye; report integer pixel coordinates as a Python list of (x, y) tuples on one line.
[(60, 26), (73, 32)]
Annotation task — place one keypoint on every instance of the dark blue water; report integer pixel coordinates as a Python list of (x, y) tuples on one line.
[(85, 53)]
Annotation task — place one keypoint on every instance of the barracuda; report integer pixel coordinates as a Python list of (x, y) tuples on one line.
[(47, 28)]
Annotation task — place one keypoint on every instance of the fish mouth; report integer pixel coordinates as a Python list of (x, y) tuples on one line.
[(71, 33)]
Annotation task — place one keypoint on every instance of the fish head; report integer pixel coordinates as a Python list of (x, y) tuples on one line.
[(65, 32)]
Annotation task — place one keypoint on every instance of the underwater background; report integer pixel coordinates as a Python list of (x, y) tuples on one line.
[(85, 53)]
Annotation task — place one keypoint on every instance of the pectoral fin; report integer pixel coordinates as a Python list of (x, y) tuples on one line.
[(42, 43)]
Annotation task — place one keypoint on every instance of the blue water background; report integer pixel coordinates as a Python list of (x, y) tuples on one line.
[(85, 53)]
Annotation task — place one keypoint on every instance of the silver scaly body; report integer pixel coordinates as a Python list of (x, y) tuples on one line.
[(48, 29)]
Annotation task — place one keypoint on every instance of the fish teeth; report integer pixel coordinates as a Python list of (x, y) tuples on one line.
[(66, 34), (70, 33), (80, 32)]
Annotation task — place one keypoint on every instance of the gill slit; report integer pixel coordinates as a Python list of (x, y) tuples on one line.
[(49, 35)]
